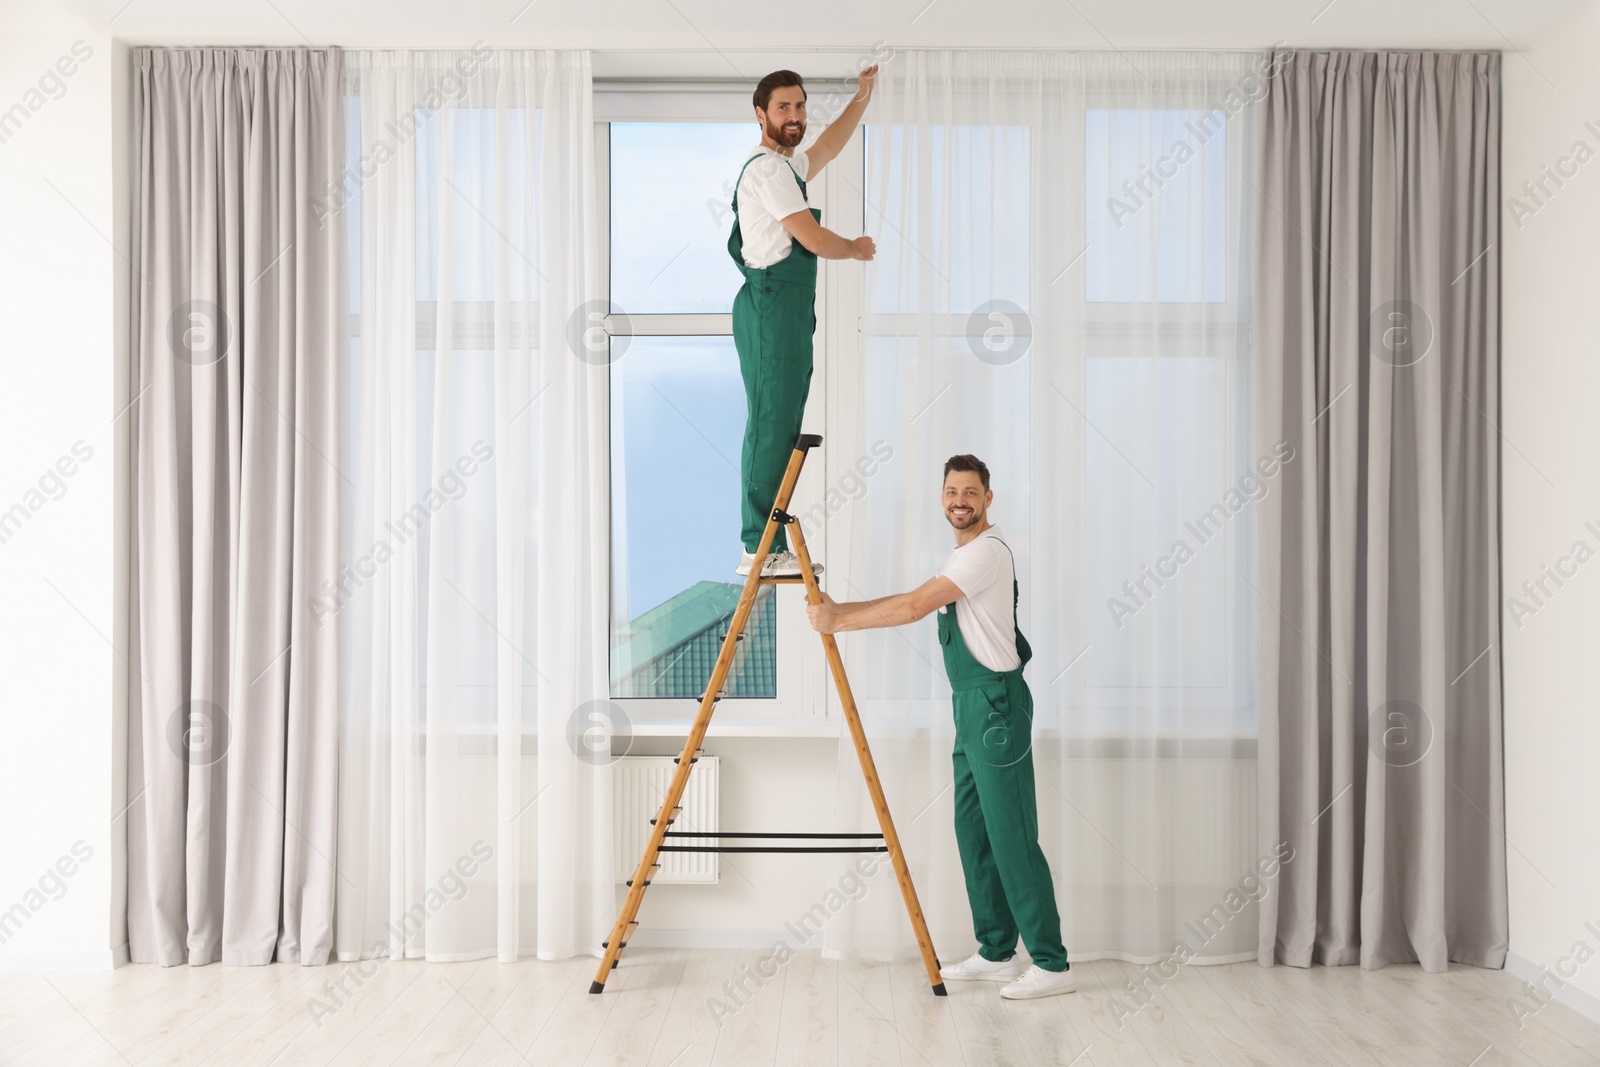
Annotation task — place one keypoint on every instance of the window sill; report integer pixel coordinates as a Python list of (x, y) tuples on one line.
[(1160, 746)]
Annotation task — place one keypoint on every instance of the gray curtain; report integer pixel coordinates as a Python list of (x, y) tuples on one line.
[(233, 722), (1377, 355)]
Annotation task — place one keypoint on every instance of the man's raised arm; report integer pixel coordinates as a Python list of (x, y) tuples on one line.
[(831, 141)]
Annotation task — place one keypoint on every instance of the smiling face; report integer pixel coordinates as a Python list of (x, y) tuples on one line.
[(783, 120), (966, 501)]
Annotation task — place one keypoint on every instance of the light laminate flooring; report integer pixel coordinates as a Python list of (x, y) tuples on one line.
[(659, 1010)]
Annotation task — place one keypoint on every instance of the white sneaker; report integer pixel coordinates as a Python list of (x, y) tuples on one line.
[(778, 565), (1038, 982), (976, 968)]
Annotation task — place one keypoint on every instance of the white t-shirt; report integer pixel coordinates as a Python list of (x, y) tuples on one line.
[(982, 569), (768, 192)]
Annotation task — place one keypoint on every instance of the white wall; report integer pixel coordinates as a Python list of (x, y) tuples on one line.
[(1550, 375), (59, 311)]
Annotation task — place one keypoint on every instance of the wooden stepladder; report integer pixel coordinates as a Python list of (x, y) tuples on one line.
[(627, 921)]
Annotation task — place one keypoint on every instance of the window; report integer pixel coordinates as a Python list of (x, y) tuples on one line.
[(677, 406), (1067, 294), (670, 187), (677, 421), (1166, 394), (1163, 172), (1097, 261), (987, 251), (472, 235)]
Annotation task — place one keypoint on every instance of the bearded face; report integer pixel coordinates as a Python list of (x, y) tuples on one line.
[(789, 134), (784, 120), (966, 501)]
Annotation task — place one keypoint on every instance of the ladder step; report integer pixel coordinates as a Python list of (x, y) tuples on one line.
[(670, 818), (627, 933), (724, 637), (747, 833), (693, 759), (771, 849), (653, 868), (796, 580)]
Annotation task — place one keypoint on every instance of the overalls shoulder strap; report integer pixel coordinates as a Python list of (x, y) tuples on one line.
[(734, 203), (1016, 591), (1024, 650)]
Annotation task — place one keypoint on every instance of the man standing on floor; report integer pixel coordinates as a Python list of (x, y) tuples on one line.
[(776, 240), (997, 828)]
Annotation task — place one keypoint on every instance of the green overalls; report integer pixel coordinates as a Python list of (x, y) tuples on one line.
[(774, 316), (997, 820)]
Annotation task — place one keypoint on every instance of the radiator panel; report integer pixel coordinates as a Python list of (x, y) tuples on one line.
[(640, 784)]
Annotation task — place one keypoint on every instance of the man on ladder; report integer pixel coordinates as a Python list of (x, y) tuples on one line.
[(1008, 881), (775, 243)]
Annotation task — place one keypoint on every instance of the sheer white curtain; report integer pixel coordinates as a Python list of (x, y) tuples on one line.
[(471, 606), (1062, 289)]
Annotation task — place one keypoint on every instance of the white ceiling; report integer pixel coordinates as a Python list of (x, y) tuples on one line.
[(722, 37)]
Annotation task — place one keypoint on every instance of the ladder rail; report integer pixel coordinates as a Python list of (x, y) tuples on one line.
[(869, 771)]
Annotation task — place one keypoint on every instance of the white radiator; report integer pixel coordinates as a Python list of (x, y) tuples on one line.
[(640, 785)]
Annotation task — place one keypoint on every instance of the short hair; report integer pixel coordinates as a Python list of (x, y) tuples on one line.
[(778, 79), (966, 462)]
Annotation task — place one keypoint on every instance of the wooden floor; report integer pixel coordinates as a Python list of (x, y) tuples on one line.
[(657, 1011)]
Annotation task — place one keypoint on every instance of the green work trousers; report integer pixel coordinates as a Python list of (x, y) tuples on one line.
[(1009, 888), (773, 320)]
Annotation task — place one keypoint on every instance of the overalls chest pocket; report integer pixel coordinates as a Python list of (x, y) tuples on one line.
[(947, 622)]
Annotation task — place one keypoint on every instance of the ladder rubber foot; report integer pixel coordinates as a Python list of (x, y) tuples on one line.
[(596, 987), (938, 990)]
